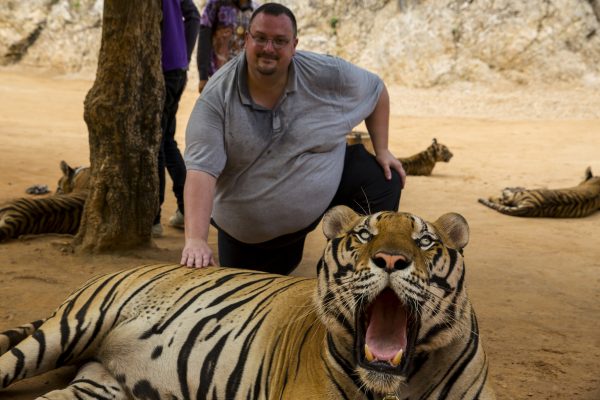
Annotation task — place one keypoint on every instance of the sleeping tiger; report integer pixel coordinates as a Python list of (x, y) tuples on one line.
[(389, 318), (579, 201), (419, 164), (59, 213)]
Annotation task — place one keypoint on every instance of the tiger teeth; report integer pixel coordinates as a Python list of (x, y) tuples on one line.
[(394, 362), (368, 355)]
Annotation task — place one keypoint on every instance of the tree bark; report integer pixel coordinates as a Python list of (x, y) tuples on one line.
[(122, 111)]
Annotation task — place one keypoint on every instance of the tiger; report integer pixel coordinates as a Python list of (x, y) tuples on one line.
[(386, 317), (421, 163), (574, 202), (59, 213), (73, 179)]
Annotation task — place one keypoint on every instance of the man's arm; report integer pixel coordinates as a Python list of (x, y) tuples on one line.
[(378, 124), (203, 55), (207, 21), (198, 198), (191, 24)]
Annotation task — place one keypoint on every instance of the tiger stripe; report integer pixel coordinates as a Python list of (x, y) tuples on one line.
[(576, 202), (60, 213), (421, 163), (167, 331), (12, 337), (54, 214)]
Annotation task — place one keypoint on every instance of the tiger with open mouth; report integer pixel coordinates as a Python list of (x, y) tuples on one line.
[(389, 318)]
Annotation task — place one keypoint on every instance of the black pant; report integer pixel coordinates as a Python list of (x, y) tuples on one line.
[(363, 188), (169, 155)]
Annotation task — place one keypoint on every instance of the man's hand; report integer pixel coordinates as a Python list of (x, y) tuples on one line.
[(387, 161), (197, 253), (201, 85)]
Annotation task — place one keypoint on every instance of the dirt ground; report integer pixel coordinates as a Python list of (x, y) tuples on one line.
[(535, 283)]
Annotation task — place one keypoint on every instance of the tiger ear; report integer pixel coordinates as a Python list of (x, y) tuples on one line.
[(338, 220), (455, 229), (434, 141), (66, 169)]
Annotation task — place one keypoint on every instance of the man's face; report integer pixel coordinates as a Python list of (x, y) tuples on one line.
[(270, 44)]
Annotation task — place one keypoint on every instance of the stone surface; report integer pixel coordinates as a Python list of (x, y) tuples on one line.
[(58, 34), (415, 43)]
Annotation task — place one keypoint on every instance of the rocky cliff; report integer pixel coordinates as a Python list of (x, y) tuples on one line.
[(59, 34), (416, 43)]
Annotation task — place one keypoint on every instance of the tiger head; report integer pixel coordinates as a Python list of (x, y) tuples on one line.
[(73, 179), (510, 196), (390, 289), (439, 151)]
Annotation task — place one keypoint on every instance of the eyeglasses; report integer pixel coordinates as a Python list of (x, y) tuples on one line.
[(278, 43)]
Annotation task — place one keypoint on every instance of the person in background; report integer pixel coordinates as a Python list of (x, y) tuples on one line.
[(266, 150), (180, 25), (223, 27)]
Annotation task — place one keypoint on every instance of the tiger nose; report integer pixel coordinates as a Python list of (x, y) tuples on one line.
[(391, 262)]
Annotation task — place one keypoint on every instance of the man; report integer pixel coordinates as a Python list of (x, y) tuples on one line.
[(179, 30), (223, 27), (265, 145)]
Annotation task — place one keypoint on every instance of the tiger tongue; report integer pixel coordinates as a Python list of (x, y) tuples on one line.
[(386, 332)]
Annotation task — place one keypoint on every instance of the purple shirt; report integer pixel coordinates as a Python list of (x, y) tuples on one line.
[(228, 21), (174, 48)]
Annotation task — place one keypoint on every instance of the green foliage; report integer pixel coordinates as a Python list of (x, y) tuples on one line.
[(333, 22)]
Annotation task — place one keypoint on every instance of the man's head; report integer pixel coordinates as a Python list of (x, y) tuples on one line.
[(276, 9), (271, 39)]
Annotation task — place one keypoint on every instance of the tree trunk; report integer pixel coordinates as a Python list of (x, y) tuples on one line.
[(122, 111)]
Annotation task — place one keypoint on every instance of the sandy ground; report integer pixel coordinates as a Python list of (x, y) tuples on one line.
[(534, 282)]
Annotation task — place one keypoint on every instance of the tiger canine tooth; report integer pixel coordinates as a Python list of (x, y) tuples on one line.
[(397, 358), (368, 355)]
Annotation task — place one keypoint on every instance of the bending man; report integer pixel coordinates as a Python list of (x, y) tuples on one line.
[(266, 153)]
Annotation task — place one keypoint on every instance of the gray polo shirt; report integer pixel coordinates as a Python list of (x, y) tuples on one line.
[(277, 170)]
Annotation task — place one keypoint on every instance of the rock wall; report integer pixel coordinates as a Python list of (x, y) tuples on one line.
[(416, 43), (58, 34), (427, 42)]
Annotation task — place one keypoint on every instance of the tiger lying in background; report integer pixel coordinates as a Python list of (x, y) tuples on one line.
[(419, 164), (579, 201), (73, 179), (58, 213), (389, 318)]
